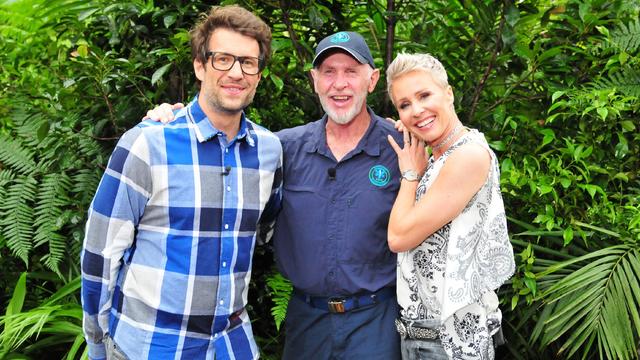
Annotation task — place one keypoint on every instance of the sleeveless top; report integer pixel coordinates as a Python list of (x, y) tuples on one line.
[(452, 275)]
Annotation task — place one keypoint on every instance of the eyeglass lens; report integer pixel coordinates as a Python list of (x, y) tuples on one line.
[(223, 62)]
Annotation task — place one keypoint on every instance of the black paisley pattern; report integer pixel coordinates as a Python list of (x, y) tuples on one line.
[(452, 276)]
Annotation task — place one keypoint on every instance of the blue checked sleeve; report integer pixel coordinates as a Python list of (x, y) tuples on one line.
[(116, 208), (268, 218)]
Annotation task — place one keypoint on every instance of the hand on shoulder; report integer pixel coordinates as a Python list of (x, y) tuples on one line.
[(163, 112)]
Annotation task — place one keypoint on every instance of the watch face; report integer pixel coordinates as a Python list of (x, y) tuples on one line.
[(410, 175)]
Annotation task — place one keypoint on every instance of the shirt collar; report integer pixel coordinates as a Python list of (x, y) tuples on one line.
[(370, 142), (205, 130)]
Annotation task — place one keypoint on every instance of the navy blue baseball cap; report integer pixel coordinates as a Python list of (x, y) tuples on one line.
[(347, 41)]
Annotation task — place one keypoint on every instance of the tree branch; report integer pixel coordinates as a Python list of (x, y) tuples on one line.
[(487, 72), (300, 51), (391, 37)]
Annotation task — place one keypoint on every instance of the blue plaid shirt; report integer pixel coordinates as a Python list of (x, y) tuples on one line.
[(166, 260)]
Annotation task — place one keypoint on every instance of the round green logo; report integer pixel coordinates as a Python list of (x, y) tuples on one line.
[(379, 175)]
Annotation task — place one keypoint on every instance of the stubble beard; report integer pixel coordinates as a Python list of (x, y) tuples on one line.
[(218, 103)]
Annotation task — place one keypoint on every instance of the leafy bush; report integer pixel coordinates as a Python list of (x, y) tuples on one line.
[(554, 87)]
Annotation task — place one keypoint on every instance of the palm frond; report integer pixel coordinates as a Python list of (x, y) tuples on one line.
[(597, 303)]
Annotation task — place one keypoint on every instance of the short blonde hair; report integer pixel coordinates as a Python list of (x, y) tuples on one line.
[(404, 63)]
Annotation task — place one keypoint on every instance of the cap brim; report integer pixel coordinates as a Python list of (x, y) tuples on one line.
[(325, 52)]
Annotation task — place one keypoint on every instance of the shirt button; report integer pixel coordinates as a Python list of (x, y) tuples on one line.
[(226, 150), (331, 273), (228, 188), (333, 201), (331, 237), (224, 264), (221, 302), (226, 226)]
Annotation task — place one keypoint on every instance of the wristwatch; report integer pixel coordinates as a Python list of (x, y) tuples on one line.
[(410, 175)]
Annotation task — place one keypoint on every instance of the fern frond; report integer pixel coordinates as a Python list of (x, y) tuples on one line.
[(627, 82), (16, 216), (281, 289), (627, 36), (16, 156), (88, 147), (49, 214), (6, 176), (85, 183), (27, 129)]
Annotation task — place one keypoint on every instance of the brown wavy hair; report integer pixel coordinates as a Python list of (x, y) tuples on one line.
[(235, 18)]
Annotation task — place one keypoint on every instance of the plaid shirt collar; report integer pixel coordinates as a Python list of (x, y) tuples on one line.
[(205, 130)]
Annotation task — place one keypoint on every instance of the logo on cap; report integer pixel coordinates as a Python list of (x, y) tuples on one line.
[(379, 175), (340, 37)]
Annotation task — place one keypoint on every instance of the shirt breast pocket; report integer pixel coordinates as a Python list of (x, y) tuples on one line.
[(301, 199), (367, 227), (298, 188)]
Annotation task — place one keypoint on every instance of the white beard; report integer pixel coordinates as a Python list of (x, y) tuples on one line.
[(349, 115)]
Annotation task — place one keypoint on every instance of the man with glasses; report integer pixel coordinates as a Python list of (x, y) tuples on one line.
[(166, 261), (330, 239)]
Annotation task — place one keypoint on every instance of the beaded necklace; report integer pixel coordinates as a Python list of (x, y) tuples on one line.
[(453, 133)]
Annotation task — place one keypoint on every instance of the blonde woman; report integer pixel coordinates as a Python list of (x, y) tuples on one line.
[(448, 224)]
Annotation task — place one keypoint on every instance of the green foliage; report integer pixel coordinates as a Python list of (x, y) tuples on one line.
[(554, 86), (57, 318), (281, 289), (627, 36)]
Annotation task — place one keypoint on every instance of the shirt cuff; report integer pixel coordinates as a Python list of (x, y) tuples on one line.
[(97, 351)]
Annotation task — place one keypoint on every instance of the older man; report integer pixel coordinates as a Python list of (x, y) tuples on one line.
[(340, 181), (166, 261)]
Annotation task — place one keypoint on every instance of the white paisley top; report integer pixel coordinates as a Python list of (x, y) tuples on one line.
[(452, 276)]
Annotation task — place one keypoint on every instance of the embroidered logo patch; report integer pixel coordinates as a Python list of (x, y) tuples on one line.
[(379, 175), (340, 38)]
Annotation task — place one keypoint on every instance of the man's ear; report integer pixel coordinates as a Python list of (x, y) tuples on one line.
[(375, 76), (199, 69), (314, 76)]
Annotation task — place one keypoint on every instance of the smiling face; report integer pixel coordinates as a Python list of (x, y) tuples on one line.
[(227, 92), (342, 84), (425, 107)]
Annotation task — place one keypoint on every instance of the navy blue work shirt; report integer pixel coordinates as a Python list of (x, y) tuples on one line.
[(330, 236)]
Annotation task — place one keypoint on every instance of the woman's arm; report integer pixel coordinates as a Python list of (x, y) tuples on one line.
[(463, 174)]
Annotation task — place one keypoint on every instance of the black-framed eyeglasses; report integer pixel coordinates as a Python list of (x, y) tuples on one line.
[(222, 61)]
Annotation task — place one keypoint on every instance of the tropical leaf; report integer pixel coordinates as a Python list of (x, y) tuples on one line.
[(56, 316), (597, 303)]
